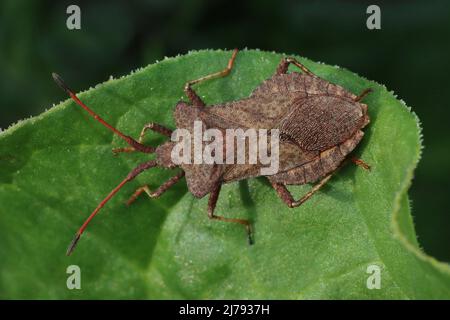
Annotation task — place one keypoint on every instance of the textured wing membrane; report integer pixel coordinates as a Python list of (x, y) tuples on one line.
[(321, 165), (320, 122)]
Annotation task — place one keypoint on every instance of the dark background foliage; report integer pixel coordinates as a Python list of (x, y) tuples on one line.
[(410, 55)]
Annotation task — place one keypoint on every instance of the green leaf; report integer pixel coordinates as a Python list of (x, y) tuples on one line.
[(55, 168)]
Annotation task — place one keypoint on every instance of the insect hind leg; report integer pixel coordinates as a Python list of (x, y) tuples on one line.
[(193, 96), (287, 197), (360, 163)]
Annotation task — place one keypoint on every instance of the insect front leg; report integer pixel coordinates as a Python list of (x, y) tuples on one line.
[(214, 196), (158, 192), (287, 197), (193, 96), (284, 65), (150, 126)]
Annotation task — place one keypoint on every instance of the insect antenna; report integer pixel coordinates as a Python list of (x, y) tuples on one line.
[(136, 145), (136, 171)]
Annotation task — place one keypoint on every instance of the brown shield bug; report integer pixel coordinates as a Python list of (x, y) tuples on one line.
[(319, 124)]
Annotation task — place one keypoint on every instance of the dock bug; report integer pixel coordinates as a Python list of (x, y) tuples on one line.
[(319, 124)]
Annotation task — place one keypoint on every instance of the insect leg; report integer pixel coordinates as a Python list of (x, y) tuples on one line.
[(287, 198), (363, 94), (150, 126), (192, 95), (324, 180), (158, 192), (360, 163), (283, 193), (284, 65), (212, 205)]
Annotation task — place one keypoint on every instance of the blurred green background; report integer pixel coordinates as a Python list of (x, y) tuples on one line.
[(410, 55)]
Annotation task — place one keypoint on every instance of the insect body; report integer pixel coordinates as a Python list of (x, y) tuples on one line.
[(319, 124)]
